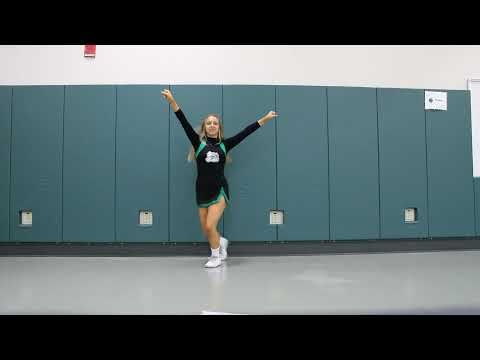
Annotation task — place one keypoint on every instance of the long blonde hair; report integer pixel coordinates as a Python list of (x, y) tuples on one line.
[(202, 134)]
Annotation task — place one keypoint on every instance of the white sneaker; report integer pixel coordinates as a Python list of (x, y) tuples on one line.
[(213, 262), (223, 248)]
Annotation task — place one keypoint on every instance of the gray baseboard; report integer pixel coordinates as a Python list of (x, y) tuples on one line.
[(241, 248)]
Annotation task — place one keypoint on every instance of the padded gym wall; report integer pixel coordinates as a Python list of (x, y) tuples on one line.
[(5, 143), (302, 159), (477, 206), (36, 177), (450, 168), (89, 164), (251, 175), (353, 162), (403, 173), (86, 159), (141, 163)]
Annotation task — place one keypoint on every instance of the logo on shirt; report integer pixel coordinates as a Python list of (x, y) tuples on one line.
[(212, 157)]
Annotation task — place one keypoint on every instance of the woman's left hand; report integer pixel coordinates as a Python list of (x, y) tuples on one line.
[(271, 115)]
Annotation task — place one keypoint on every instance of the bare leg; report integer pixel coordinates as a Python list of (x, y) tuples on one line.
[(214, 214), (202, 214)]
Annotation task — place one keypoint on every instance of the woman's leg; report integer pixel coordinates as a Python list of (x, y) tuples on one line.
[(214, 214), (202, 214)]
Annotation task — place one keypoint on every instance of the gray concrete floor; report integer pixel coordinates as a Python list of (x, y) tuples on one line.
[(446, 282)]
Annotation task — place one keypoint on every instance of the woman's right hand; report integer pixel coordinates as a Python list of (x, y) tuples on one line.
[(168, 95)]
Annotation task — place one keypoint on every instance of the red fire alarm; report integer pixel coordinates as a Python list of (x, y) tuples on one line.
[(90, 50)]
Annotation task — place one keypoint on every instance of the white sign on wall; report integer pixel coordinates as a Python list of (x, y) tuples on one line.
[(435, 100), (474, 87)]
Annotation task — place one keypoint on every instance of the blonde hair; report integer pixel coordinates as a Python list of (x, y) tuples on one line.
[(202, 134)]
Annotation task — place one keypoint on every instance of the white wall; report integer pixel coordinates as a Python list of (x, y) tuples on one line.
[(432, 67), (474, 87)]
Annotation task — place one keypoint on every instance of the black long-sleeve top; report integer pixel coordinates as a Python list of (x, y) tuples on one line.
[(211, 160)]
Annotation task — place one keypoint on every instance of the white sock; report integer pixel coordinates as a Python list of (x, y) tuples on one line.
[(215, 252)]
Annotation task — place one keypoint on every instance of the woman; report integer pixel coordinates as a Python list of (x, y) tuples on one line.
[(210, 149)]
